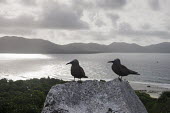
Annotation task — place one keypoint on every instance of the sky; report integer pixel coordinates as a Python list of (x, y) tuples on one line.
[(143, 22)]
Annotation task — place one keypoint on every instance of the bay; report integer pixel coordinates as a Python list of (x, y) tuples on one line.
[(153, 67)]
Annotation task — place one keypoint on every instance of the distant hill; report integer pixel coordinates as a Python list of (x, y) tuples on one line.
[(159, 48), (23, 45), (13, 44), (125, 48)]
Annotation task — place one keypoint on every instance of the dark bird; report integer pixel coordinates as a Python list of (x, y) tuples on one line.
[(76, 70), (121, 70)]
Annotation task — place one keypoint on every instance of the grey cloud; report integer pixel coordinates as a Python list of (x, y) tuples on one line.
[(161, 34), (154, 4), (102, 4), (127, 30), (17, 31), (99, 35), (28, 2), (146, 26), (98, 4), (61, 17), (111, 4), (167, 26), (99, 23), (89, 36), (80, 5), (114, 18), (20, 21), (125, 27), (54, 16), (3, 1)]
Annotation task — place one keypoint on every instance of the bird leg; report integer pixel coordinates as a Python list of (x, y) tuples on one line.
[(119, 78), (79, 81)]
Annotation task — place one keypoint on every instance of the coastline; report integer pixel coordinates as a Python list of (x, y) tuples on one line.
[(153, 89)]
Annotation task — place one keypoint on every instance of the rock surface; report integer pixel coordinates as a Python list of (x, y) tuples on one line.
[(93, 97)]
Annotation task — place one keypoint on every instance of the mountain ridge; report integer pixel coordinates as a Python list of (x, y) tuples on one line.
[(13, 44)]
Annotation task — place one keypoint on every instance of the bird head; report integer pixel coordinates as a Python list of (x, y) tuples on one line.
[(116, 61), (74, 62)]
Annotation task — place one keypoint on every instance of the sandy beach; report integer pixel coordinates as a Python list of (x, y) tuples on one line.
[(153, 89)]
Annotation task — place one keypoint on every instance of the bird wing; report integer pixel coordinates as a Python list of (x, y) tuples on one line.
[(116, 69), (82, 72), (126, 70), (133, 72), (123, 67)]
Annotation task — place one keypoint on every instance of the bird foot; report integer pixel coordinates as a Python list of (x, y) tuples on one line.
[(120, 79)]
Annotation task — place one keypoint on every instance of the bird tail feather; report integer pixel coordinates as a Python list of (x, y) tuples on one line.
[(133, 72), (85, 77)]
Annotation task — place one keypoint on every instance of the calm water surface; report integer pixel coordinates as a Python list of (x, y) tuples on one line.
[(153, 67)]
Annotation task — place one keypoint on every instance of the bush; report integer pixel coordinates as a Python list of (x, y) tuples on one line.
[(24, 96), (160, 105)]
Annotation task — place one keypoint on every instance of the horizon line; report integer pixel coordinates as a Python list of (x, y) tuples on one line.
[(81, 42)]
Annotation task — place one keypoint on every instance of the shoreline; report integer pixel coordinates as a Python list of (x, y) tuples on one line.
[(153, 89)]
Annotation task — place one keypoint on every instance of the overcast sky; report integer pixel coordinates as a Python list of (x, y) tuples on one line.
[(143, 22)]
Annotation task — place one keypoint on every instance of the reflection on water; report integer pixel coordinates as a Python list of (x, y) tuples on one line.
[(152, 67), (22, 56)]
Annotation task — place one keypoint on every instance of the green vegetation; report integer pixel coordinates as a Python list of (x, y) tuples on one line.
[(24, 96), (28, 96), (160, 105)]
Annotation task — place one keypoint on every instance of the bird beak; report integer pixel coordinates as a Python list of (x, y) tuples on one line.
[(109, 62), (68, 63)]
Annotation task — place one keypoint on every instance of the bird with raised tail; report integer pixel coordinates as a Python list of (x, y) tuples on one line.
[(76, 70), (121, 70)]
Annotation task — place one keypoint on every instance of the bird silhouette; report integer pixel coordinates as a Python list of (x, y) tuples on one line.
[(76, 70), (121, 70)]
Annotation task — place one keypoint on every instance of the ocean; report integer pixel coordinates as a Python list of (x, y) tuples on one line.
[(153, 67)]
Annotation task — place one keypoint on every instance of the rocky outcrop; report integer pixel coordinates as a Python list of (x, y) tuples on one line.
[(93, 96)]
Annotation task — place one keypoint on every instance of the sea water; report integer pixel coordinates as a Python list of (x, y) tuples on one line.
[(153, 67)]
